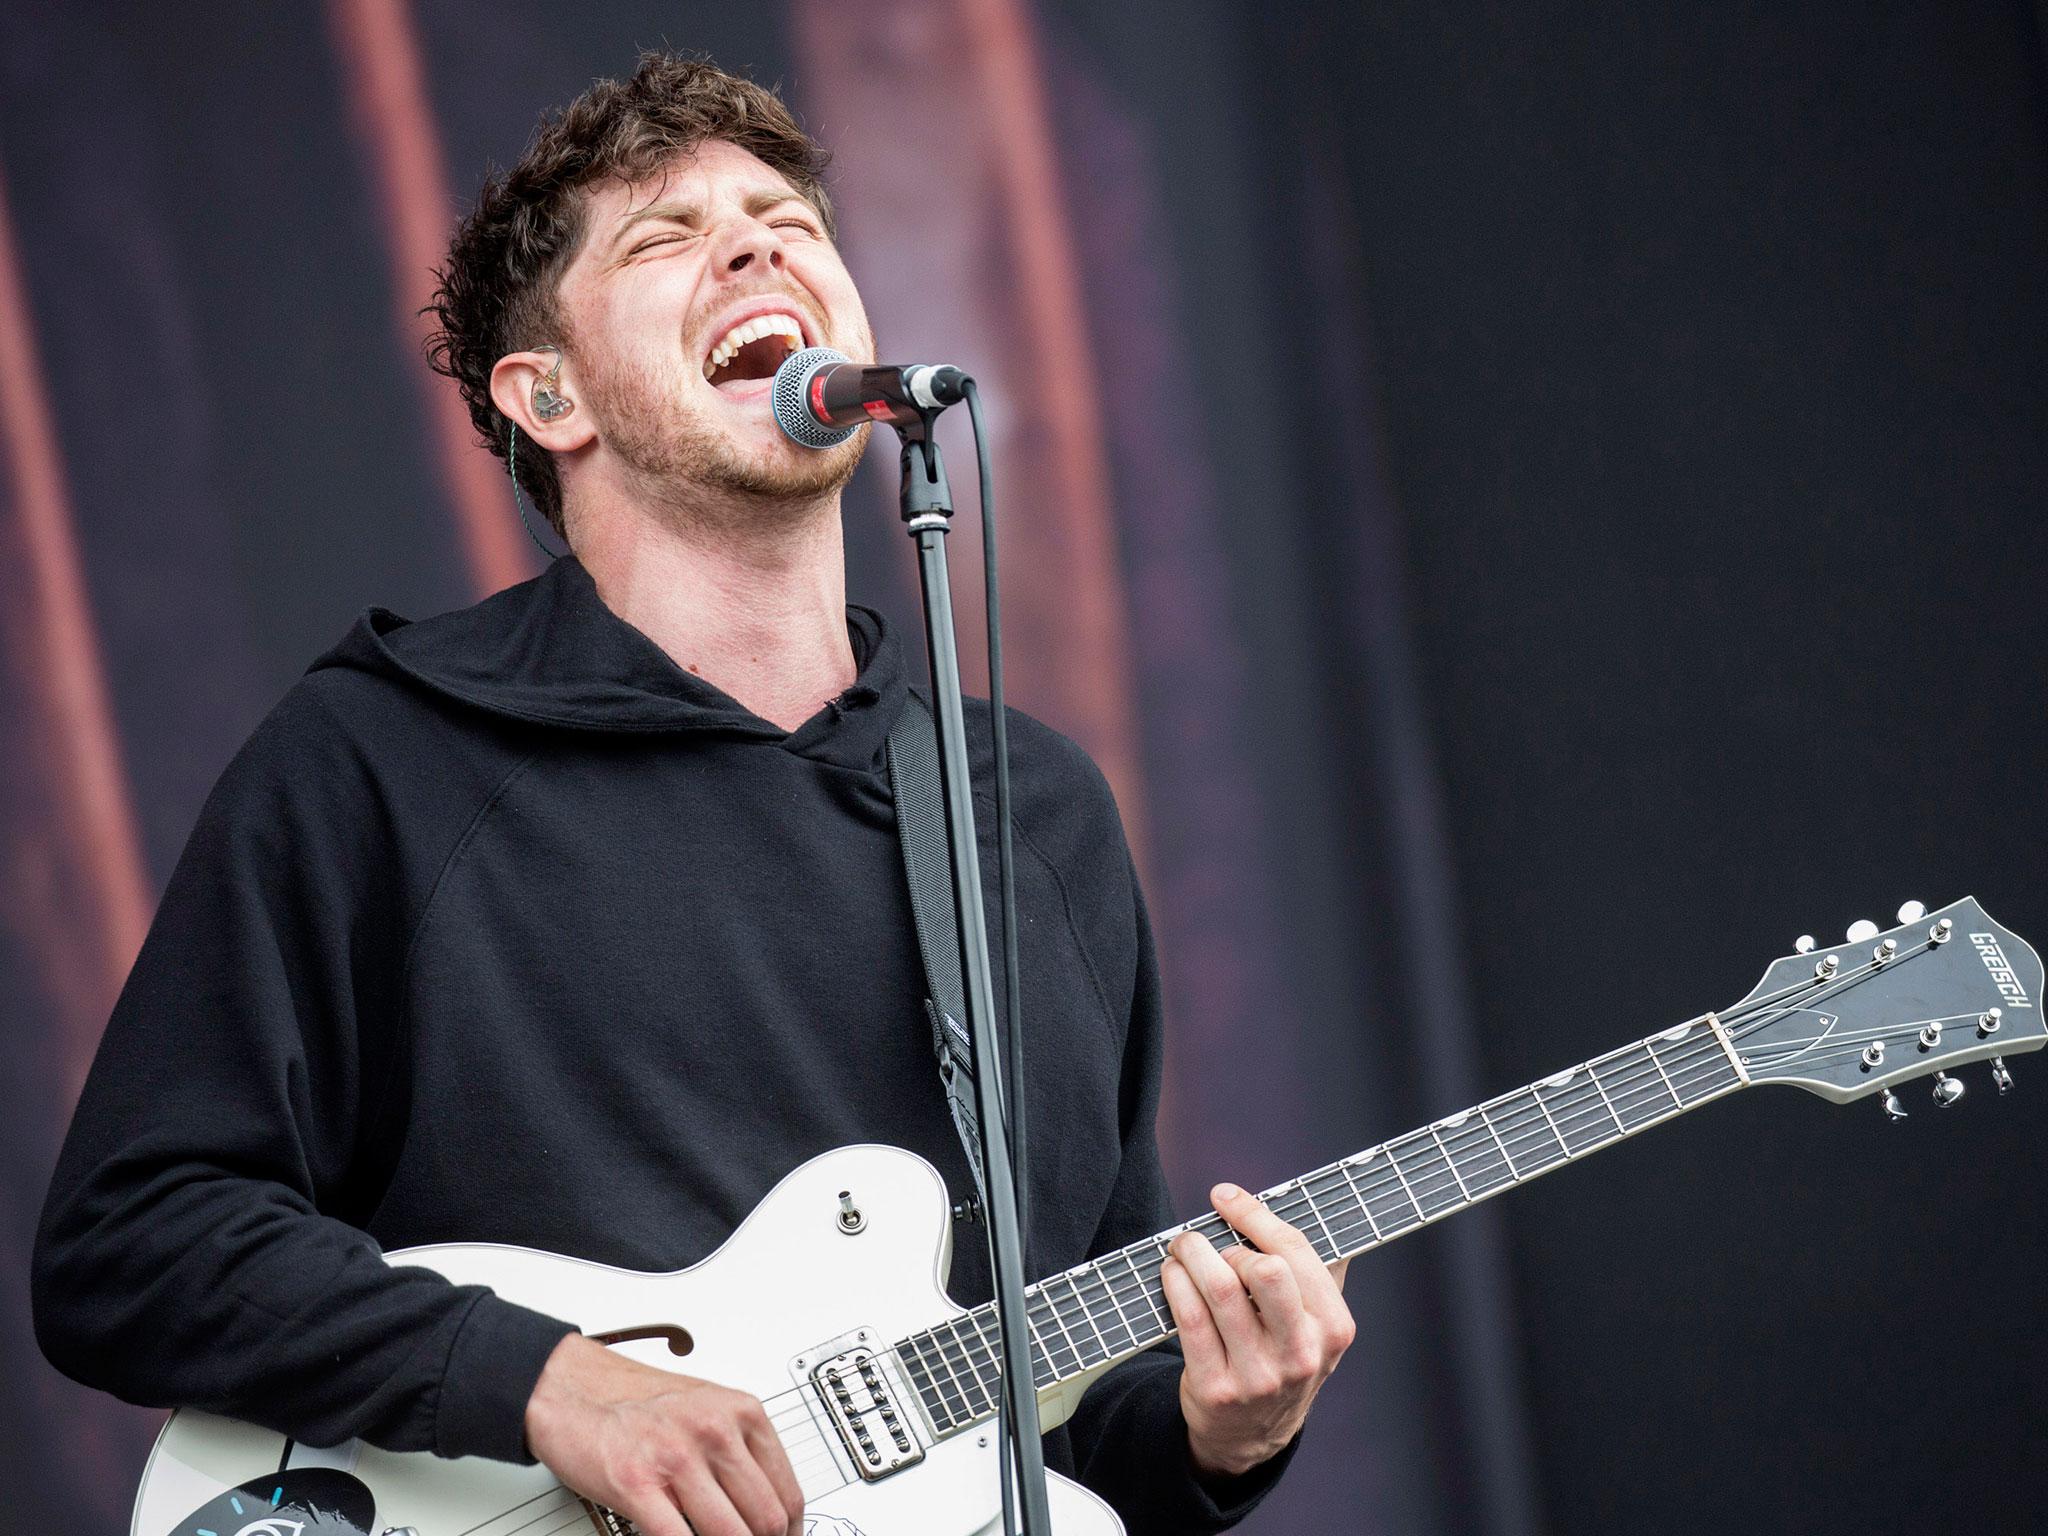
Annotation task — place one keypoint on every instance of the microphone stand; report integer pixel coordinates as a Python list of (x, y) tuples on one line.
[(927, 515)]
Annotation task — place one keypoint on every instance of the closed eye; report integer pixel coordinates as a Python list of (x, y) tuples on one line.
[(646, 245)]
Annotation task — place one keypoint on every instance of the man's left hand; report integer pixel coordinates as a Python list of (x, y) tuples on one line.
[(1261, 1329)]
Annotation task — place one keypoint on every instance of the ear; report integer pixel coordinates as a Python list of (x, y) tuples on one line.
[(512, 384)]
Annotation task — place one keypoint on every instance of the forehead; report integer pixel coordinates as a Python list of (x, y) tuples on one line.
[(715, 173)]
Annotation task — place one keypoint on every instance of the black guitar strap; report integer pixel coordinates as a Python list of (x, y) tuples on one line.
[(913, 757)]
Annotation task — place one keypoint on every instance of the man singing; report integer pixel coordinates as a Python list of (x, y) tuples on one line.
[(577, 918)]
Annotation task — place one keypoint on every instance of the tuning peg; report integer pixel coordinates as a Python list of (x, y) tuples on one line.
[(1803, 945), (2000, 1076), (1893, 1109), (1947, 1090), (1912, 911), (1860, 930)]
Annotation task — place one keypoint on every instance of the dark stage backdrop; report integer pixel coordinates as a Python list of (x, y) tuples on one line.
[(1545, 507)]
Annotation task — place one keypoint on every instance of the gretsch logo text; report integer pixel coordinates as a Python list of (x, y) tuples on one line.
[(2000, 969)]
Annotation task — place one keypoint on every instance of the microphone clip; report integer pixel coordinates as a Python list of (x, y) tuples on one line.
[(926, 494)]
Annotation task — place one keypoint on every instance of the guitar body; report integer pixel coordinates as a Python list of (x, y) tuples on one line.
[(790, 1289)]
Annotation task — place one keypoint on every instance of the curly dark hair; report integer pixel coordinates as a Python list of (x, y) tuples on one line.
[(496, 294)]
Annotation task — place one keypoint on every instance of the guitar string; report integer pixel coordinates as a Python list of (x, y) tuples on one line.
[(1300, 1196), (1118, 1292), (1051, 1313), (1523, 1126), (1574, 1103), (1573, 1106), (1684, 1063), (1300, 1200)]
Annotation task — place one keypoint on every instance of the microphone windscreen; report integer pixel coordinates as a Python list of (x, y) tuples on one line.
[(792, 407)]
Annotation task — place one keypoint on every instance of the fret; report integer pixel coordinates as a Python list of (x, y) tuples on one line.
[(1088, 1316), (1109, 1290), (1593, 1075), (1636, 1093), (1337, 1208), (1649, 1049), (961, 1414), (1108, 1310), (988, 1337), (1357, 1194), (1534, 1135), (1431, 1195), (1073, 1349), (1587, 1124), (1697, 1067), (1401, 1177), (1389, 1203), (1477, 1158), (1147, 1285), (980, 1398), (1445, 1152), (1052, 1364), (911, 1353), (1329, 1238), (1487, 1120), (1567, 1119), (1042, 1371)]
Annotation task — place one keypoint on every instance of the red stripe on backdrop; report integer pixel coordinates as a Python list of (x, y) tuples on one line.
[(385, 83), (76, 889), (960, 238)]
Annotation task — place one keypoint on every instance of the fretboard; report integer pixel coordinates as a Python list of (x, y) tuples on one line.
[(1099, 1312)]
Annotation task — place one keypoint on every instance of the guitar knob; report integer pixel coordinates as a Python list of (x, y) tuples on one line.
[(1893, 1109), (1947, 1090), (1861, 930), (2000, 1076), (1912, 911), (1803, 945)]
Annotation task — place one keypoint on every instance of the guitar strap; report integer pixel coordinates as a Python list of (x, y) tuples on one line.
[(913, 757)]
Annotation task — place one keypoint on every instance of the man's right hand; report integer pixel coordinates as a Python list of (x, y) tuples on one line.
[(658, 1448)]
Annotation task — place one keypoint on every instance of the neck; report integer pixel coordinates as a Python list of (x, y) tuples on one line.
[(1097, 1313), (758, 611)]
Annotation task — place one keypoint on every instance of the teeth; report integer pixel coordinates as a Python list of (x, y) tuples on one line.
[(753, 330)]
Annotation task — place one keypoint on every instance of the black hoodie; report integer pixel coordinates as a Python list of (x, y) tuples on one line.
[(504, 928)]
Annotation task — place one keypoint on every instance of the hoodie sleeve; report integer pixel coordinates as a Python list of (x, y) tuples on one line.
[(1129, 1435), (201, 1245)]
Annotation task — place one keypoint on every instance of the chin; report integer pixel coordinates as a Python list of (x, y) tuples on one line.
[(787, 472)]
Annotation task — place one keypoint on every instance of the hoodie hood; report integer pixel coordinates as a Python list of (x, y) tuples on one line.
[(548, 652)]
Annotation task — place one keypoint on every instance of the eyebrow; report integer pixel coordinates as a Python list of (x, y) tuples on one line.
[(757, 202)]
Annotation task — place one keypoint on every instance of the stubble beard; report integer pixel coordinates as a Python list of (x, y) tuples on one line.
[(688, 466)]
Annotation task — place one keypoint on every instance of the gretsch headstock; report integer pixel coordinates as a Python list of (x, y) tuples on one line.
[(1939, 990)]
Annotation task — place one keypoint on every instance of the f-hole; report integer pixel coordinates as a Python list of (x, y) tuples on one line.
[(678, 1339)]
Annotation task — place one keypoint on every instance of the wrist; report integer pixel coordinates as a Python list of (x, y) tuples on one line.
[(1216, 1464), (557, 1379)]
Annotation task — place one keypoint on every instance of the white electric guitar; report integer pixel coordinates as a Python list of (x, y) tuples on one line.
[(829, 1302)]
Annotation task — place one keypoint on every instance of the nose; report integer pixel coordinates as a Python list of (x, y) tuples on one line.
[(749, 242)]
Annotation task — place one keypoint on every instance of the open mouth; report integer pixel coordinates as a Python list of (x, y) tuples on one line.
[(752, 350)]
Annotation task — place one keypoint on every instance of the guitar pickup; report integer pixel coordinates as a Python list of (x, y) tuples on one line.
[(867, 1412)]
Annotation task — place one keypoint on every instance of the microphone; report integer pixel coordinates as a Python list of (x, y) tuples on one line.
[(821, 396)]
